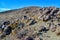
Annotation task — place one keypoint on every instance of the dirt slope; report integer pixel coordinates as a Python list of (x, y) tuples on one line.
[(33, 23)]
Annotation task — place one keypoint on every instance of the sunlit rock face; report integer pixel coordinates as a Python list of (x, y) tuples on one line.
[(30, 23)]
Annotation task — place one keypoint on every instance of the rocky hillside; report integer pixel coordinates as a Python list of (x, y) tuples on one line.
[(30, 23)]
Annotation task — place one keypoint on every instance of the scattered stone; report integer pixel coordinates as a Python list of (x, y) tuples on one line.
[(3, 27), (48, 12), (41, 39), (6, 23), (29, 38), (55, 12), (8, 31), (58, 24), (25, 17), (2, 36), (32, 22), (46, 18), (44, 30), (21, 25)]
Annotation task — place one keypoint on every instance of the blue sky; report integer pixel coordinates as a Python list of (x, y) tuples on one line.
[(15, 4)]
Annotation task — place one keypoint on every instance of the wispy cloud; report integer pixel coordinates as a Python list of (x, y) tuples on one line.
[(4, 9)]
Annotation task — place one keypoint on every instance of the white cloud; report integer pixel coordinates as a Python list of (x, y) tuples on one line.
[(4, 9)]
